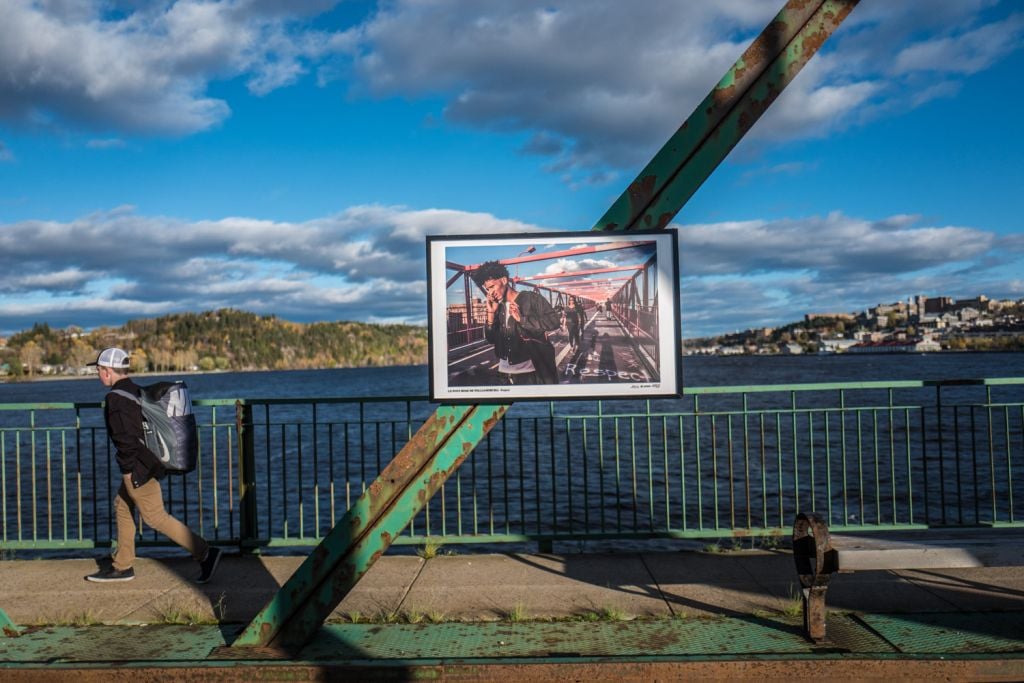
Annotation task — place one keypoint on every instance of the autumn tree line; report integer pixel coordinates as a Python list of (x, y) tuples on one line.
[(225, 339)]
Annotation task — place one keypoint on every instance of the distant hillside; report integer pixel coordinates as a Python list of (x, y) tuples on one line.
[(225, 339)]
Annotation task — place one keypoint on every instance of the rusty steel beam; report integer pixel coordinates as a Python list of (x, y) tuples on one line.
[(444, 441), (8, 627), (362, 535), (722, 119)]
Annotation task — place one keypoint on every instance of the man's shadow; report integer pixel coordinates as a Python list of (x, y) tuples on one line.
[(241, 586)]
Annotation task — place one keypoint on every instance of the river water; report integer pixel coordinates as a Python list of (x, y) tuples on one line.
[(698, 371)]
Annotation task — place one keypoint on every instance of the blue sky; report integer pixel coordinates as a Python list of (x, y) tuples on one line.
[(159, 157)]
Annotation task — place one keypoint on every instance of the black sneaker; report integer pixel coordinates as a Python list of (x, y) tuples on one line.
[(111, 574), (208, 566)]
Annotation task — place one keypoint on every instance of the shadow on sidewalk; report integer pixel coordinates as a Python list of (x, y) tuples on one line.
[(765, 587)]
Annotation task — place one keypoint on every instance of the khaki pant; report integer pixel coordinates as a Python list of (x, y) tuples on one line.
[(149, 500)]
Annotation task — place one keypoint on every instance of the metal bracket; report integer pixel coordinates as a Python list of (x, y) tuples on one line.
[(816, 561)]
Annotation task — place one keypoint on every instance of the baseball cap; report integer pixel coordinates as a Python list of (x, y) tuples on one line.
[(112, 358)]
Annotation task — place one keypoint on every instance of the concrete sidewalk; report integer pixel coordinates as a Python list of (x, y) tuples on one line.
[(495, 587), (629, 616)]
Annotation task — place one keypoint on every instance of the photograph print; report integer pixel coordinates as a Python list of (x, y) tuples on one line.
[(575, 315)]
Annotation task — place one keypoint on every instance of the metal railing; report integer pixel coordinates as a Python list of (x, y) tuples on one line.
[(721, 461)]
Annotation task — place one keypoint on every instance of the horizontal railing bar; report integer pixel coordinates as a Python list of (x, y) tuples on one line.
[(47, 406), (739, 411), (687, 391)]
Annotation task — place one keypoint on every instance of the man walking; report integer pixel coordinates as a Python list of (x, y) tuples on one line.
[(141, 471)]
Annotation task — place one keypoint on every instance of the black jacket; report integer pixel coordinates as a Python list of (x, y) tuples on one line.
[(537, 317), (124, 427)]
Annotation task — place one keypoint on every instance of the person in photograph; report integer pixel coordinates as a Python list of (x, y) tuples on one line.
[(575, 318), (140, 471), (517, 326)]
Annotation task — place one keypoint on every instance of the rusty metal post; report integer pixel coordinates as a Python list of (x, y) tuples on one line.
[(651, 201), (815, 563), (362, 535), (722, 119), (8, 627)]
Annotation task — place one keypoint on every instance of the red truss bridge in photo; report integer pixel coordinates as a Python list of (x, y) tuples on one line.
[(619, 337)]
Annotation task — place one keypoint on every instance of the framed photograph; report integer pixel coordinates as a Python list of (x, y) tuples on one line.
[(567, 315)]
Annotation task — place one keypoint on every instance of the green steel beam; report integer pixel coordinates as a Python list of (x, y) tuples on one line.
[(8, 627), (348, 551), (369, 527), (722, 119)]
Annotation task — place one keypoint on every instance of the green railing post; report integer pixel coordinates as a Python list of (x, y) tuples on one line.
[(248, 524)]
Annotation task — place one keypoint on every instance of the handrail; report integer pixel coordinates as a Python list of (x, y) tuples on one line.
[(687, 391)]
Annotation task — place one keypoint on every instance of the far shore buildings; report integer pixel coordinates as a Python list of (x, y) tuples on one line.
[(919, 324), (896, 346)]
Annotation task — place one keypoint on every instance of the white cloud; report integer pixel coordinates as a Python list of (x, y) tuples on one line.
[(367, 263), (963, 53), (602, 83), (594, 85), (842, 247), (740, 275), (66, 280), (146, 68), (106, 143)]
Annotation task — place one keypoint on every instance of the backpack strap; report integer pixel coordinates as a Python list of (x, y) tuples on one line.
[(126, 394)]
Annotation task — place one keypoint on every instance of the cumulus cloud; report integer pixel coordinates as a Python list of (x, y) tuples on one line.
[(842, 247), (365, 263), (593, 86), (576, 265), (738, 275), (144, 67), (601, 84)]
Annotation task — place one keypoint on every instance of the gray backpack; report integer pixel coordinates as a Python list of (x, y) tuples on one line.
[(168, 424)]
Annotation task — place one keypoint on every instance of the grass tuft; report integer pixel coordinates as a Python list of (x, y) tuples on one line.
[(517, 613), (794, 607), (612, 613), (183, 612), (430, 550)]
